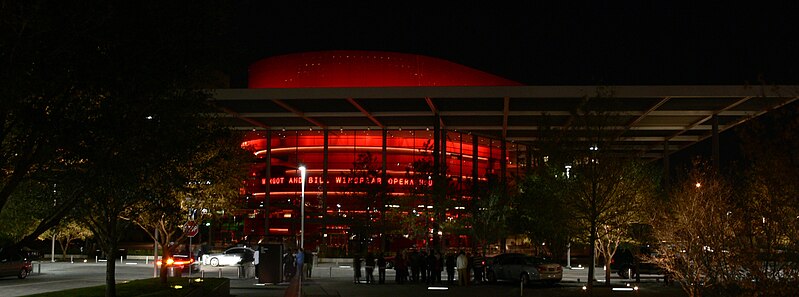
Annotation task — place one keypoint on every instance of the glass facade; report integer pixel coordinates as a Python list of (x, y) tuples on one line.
[(348, 206)]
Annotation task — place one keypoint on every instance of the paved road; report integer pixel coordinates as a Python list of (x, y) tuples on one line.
[(65, 275), (328, 280)]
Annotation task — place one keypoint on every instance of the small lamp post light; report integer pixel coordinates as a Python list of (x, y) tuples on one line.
[(302, 207)]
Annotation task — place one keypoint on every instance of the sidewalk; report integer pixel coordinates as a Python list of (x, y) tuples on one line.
[(337, 281), (345, 288)]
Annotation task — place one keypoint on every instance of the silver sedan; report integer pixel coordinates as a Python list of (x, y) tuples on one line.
[(230, 257)]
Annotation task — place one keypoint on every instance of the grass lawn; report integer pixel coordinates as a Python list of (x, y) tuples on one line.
[(143, 287)]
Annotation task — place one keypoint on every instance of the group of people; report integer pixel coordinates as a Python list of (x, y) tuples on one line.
[(297, 260), (369, 263), (421, 266)]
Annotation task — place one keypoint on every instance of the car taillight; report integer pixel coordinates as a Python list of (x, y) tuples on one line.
[(184, 262), (171, 261), (560, 268)]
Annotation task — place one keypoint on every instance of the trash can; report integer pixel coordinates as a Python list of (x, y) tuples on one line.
[(269, 268), (123, 253)]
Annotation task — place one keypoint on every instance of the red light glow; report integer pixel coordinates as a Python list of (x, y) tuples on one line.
[(365, 69)]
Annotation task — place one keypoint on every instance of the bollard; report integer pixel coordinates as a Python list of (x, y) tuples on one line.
[(220, 272), (121, 261), (146, 259), (40, 268), (629, 273), (202, 273), (96, 259), (331, 272), (71, 260), (521, 288)]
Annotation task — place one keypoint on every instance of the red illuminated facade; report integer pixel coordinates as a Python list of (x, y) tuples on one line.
[(365, 69), (339, 211)]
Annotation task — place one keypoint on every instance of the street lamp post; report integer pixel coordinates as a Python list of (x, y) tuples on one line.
[(302, 208)]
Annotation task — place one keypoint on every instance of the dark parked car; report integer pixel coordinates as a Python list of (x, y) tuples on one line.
[(524, 268), (17, 265), (627, 263)]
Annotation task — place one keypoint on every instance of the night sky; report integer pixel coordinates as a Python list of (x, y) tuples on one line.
[(542, 43), (595, 43)]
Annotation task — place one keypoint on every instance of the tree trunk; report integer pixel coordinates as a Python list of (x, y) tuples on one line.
[(110, 270), (64, 248), (592, 239), (63, 254), (162, 273), (694, 292), (607, 272)]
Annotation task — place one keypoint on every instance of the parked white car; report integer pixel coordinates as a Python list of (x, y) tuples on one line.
[(230, 257)]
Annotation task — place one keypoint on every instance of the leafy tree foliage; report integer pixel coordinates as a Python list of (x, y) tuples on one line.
[(771, 223), (435, 194), (538, 209), (208, 180), (737, 234), (607, 195), (67, 231), (601, 191), (20, 216), (697, 233), (364, 183), (99, 91), (41, 108), (133, 158), (490, 221)]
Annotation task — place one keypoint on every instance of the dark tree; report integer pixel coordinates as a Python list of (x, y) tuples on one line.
[(602, 190), (489, 222), (538, 209), (734, 233), (430, 186), (101, 91), (208, 179), (364, 183)]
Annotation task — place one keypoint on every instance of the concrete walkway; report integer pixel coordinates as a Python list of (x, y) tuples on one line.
[(336, 280)]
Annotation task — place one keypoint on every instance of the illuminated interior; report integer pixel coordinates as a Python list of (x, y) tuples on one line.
[(330, 213)]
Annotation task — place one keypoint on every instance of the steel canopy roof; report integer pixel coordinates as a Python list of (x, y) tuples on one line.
[(646, 117)]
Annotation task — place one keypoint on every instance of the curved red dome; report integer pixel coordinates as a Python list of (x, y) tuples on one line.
[(365, 69)]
